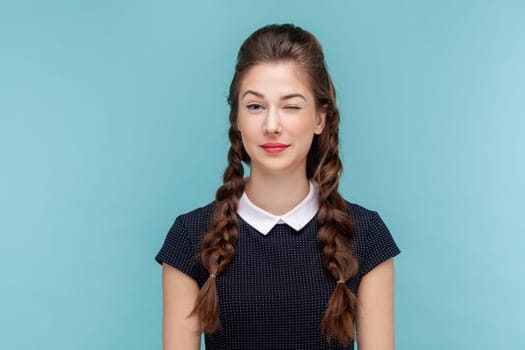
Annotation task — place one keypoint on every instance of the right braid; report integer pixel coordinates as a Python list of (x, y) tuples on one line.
[(335, 237), (218, 245)]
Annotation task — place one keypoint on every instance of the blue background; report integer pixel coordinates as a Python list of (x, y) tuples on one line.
[(114, 119)]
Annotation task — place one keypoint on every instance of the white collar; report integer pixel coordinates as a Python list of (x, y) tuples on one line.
[(297, 218)]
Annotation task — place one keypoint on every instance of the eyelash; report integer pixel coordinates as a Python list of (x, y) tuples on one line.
[(256, 107)]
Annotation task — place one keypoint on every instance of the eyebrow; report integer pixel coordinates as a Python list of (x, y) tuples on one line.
[(286, 97)]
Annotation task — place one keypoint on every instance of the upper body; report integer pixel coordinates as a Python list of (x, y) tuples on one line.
[(318, 286), (273, 294)]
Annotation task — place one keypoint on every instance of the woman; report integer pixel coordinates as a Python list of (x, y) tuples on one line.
[(280, 260)]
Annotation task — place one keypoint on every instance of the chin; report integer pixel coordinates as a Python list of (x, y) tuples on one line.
[(277, 169)]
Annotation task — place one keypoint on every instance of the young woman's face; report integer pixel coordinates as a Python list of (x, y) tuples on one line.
[(277, 118)]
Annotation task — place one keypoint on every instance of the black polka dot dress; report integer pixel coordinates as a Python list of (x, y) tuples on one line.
[(274, 292)]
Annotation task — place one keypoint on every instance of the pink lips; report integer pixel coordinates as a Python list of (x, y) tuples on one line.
[(274, 147)]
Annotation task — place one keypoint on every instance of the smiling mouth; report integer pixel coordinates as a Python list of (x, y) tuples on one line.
[(274, 147)]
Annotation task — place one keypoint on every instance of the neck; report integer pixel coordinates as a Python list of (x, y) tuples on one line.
[(277, 194)]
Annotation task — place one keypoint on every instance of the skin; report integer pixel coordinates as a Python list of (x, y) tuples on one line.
[(179, 292), (276, 104), (375, 319)]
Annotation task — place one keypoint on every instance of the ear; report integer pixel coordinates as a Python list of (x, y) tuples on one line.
[(320, 121)]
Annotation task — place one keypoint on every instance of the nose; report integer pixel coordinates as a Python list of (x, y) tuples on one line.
[(272, 122)]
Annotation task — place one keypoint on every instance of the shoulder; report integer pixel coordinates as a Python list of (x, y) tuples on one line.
[(195, 222), (372, 241), (182, 243), (360, 215), (366, 221), (198, 215)]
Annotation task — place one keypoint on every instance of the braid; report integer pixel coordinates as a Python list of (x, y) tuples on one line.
[(218, 245), (335, 239)]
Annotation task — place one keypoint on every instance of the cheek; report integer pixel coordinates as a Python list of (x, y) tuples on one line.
[(246, 129), (302, 129), (244, 122), (248, 135), (303, 134)]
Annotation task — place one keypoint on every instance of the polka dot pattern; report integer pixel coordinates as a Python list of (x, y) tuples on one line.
[(274, 292)]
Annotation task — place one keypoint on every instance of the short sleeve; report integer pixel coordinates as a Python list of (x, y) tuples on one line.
[(380, 245), (178, 251)]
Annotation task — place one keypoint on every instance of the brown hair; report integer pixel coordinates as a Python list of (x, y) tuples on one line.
[(270, 44)]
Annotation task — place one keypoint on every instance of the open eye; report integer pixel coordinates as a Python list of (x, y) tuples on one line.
[(254, 107)]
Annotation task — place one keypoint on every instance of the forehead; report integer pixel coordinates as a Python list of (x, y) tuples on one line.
[(276, 79)]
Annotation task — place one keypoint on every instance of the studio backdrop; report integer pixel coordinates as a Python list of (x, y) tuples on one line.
[(113, 121)]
